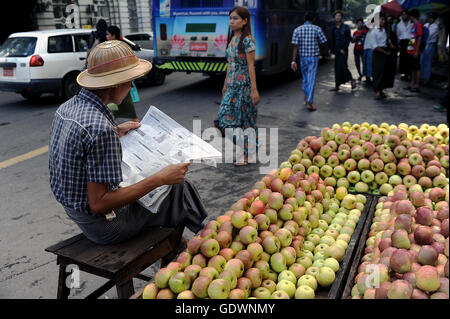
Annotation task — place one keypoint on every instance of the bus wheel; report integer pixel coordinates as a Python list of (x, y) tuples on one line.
[(159, 77)]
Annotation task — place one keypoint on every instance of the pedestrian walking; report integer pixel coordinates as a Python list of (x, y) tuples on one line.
[(98, 36), (358, 39), (414, 50), (85, 157), (126, 108), (384, 57), (427, 58), (403, 30), (368, 54), (340, 40), (240, 94), (306, 40)]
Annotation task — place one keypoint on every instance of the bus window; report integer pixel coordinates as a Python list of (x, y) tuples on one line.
[(299, 4), (163, 31)]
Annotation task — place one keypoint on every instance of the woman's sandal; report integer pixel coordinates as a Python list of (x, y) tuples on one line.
[(242, 164), (310, 107)]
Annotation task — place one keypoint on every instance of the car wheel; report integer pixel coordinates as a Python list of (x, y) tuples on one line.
[(31, 96), (159, 77), (70, 87)]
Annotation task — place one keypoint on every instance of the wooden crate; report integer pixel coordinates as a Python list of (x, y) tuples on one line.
[(336, 289), (359, 252)]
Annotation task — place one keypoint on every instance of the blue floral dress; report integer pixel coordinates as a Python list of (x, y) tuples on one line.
[(237, 109)]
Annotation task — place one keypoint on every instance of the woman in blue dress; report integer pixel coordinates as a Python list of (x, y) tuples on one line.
[(240, 94)]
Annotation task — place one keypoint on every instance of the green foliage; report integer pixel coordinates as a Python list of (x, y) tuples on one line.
[(354, 9)]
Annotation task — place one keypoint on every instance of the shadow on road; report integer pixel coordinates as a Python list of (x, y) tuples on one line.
[(46, 101)]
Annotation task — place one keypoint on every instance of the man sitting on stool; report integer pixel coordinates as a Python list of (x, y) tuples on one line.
[(85, 157)]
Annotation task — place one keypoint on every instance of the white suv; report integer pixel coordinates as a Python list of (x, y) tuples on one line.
[(48, 61)]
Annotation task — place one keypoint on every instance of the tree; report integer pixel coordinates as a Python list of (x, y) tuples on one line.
[(355, 9)]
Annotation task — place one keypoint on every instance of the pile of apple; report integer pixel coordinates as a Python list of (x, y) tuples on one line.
[(366, 162), (406, 255), (415, 133), (284, 239)]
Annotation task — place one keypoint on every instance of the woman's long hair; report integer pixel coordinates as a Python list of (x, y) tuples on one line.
[(244, 13), (101, 30)]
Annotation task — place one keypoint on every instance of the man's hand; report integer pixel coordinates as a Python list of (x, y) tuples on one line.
[(173, 174), (124, 128), (342, 52), (294, 66), (416, 54)]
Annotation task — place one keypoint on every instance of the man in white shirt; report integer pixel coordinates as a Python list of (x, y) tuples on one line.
[(403, 31), (426, 60)]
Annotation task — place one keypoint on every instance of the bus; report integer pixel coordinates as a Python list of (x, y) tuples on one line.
[(191, 35)]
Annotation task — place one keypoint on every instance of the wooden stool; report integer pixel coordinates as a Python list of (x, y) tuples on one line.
[(119, 263)]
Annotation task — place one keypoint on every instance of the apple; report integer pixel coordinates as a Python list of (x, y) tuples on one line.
[(326, 276), (423, 235), (165, 293), (194, 244), (427, 278), (219, 289), (245, 285), (246, 257), (237, 294), (150, 291), (304, 292), (187, 294), (278, 262), (286, 286), (210, 247), (336, 252), (362, 187), (179, 282), (224, 239), (192, 272), (390, 169), (162, 277), (401, 261), (275, 200), (236, 266), (279, 294), (271, 244), (400, 151), (255, 276), (240, 219), (349, 202), (332, 264), (427, 255), (284, 236), (307, 280), (262, 293)]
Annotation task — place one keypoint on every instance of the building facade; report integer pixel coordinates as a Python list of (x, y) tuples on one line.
[(129, 15)]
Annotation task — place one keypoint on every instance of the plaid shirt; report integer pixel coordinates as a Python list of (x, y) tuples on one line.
[(84, 147), (308, 37)]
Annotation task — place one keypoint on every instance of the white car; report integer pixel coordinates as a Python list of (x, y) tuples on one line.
[(48, 61), (143, 39)]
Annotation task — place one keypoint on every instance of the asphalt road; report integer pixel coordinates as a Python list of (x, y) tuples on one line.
[(31, 219)]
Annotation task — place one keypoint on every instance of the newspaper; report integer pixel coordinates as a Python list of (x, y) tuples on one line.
[(158, 142)]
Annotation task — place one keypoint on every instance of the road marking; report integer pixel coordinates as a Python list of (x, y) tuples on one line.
[(24, 157)]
